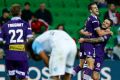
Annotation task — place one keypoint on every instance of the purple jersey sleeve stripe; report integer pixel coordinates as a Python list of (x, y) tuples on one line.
[(95, 21)]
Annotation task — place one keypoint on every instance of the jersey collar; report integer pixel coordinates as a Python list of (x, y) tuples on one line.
[(15, 18), (94, 15)]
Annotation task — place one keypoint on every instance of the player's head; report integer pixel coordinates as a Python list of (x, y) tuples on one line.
[(61, 27), (92, 7), (15, 10), (29, 49), (107, 23)]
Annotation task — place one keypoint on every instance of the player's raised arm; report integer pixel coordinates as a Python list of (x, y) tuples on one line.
[(95, 40), (103, 32)]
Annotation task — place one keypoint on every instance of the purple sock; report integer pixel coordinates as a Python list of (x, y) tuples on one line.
[(87, 74), (77, 68)]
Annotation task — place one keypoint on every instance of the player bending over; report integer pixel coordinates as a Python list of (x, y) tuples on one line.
[(62, 49)]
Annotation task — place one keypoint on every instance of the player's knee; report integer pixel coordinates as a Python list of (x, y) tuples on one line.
[(81, 63), (95, 78), (96, 75), (54, 78), (90, 62)]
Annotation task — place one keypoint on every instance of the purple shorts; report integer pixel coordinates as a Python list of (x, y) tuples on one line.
[(99, 58), (82, 54), (98, 64), (17, 68), (87, 50)]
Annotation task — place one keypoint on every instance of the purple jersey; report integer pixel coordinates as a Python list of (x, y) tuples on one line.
[(15, 33), (99, 47), (91, 25)]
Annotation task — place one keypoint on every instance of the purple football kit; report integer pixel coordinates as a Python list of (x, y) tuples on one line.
[(15, 34), (99, 50), (87, 49)]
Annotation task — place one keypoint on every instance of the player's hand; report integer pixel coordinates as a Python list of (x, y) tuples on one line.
[(109, 32), (86, 33), (81, 40)]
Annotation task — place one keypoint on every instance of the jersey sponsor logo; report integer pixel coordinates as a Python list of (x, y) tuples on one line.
[(17, 47)]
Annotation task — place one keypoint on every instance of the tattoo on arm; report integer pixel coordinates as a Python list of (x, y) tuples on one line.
[(94, 40)]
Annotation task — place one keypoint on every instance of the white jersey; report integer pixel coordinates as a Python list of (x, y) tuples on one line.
[(62, 48), (50, 39)]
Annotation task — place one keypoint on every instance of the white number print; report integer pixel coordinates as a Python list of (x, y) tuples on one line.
[(14, 32)]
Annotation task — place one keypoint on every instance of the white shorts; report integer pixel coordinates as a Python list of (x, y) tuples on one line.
[(62, 58)]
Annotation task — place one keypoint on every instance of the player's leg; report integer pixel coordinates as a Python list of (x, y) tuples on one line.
[(78, 67), (67, 76), (90, 53), (13, 78), (89, 70), (82, 56), (97, 67), (57, 63), (10, 67), (24, 79), (22, 70), (54, 78), (96, 75), (70, 61)]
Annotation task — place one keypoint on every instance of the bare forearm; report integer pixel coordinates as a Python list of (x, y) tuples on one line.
[(93, 40), (82, 32), (44, 57), (102, 32)]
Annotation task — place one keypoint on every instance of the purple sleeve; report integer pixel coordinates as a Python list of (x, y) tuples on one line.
[(96, 24), (106, 37), (28, 31)]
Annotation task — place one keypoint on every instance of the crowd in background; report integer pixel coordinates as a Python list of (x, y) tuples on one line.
[(42, 18)]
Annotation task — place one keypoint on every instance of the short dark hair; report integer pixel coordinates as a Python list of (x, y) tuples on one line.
[(27, 3), (31, 52), (89, 6), (15, 9), (61, 25), (111, 22)]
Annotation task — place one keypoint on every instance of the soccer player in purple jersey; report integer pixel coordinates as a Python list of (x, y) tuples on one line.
[(100, 43), (92, 26), (15, 33)]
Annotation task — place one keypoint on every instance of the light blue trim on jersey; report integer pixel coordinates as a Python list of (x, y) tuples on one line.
[(37, 47)]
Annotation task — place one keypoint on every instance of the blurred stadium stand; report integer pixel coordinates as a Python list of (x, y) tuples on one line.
[(72, 13)]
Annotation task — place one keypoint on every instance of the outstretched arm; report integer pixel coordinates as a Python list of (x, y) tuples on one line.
[(44, 57), (85, 33), (103, 32), (91, 40)]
